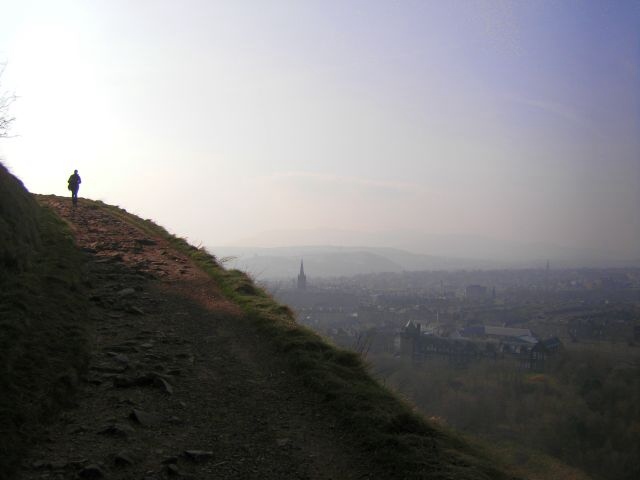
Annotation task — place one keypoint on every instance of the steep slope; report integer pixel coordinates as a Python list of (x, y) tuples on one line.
[(42, 318), (195, 372)]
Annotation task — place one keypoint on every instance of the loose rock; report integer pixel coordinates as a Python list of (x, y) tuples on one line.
[(91, 471), (172, 469), (117, 430), (122, 459), (146, 241), (163, 385), (283, 442), (139, 381), (121, 358), (198, 455), (145, 418)]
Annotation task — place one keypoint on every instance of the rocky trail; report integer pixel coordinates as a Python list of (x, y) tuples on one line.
[(179, 385)]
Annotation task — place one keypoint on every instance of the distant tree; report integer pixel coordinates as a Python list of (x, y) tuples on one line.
[(6, 99)]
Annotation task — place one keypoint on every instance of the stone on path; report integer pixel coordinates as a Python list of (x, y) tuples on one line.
[(172, 469), (146, 241), (123, 459), (117, 430), (145, 419), (91, 471), (136, 310), (283, 442), (163, 385), (119, 358), (198, 455), (122, 381)]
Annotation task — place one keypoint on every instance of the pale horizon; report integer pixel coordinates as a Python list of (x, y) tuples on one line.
[(224, 120)]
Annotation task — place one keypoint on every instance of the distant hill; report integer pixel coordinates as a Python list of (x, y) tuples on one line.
[(332, 261), (444, 251), (329, 261)]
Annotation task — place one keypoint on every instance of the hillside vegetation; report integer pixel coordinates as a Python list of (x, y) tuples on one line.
[(583, 410), (42, 317), (43, 348)]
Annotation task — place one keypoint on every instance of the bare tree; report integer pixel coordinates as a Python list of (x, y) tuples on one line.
[(6, 99)]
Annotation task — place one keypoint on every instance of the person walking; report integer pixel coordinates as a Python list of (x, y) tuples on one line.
[(74, 185)]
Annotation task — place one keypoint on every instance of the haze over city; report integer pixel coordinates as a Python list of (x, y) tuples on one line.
[(515, 121)]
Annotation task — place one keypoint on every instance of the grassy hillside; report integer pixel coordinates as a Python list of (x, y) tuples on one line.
[(42, 313), (400, 441)]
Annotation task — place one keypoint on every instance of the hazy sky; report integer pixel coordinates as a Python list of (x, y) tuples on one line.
[(223, 119)]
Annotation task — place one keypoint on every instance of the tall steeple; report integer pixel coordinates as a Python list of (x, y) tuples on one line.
[(302, 278)]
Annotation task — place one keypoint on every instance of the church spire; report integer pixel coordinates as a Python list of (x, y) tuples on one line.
[(302, 278)]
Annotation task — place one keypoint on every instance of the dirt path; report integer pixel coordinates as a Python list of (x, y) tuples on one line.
[(179, 386)]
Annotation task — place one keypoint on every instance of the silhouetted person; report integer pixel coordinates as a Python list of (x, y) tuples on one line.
[(74, 186)]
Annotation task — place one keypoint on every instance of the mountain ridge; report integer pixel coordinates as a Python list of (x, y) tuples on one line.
[(335, 261), (470, 248), (282, 263)]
